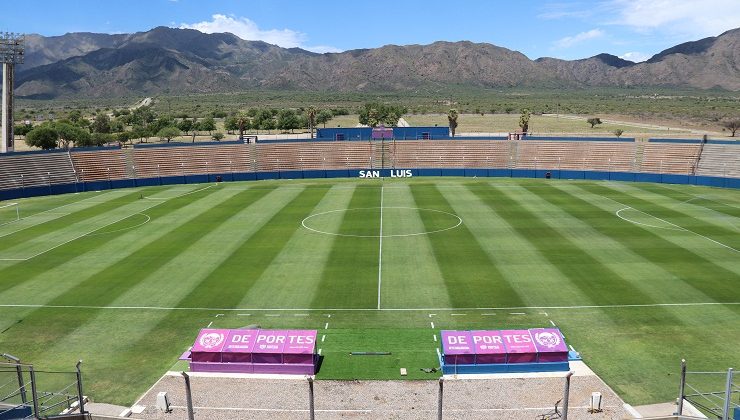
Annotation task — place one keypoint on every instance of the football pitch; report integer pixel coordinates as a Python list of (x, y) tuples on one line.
[(637, 276)]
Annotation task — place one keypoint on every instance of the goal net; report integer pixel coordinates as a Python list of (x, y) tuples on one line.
[(9, 213)]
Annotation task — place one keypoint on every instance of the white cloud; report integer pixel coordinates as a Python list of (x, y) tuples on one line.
[(570, 41), (635, 56), (679, 17), (247, 29)]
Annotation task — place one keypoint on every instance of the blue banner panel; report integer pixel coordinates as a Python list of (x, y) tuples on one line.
[(500, 172), (675, 179), (147, 182), (190, 179), (642, 177), (337, 173), (314, 174), (476, 173), (291, 174), (523, 173), (122, 183), (430, 172), (542, 173), (245, 176), (596, 175), (565, 174), (268, 175), (622, 176), (452, 172)]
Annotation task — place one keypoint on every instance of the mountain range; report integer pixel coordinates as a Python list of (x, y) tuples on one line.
[(167, 61)]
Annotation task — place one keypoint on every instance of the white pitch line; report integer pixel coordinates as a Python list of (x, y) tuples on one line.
[(97, 229), (319, 352), (300, 314), (187, 308), (272, 314), (323, 337), (326, 326), (665, 221), (553, 323), (544, 313), (431, 315), (458, 314), (435, 338), (209, 324), (517, 313), (432, 324), (380, 246), (243, 314), (488, 314)]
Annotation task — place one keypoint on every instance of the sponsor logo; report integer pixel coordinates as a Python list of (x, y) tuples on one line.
[(394, 173), (547, 339), (211, 340)]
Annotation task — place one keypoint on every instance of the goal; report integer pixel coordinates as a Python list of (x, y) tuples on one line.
[(9, 213)]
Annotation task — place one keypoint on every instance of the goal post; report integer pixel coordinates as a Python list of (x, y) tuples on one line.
[(9, 213)]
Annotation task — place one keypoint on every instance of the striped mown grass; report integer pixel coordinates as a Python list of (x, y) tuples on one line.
[(637, 276)]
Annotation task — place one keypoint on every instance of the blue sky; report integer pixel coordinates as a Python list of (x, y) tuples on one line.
[(631, 29)]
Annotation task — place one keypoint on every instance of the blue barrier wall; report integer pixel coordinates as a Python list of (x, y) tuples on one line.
[(54, 189), (560, 138)]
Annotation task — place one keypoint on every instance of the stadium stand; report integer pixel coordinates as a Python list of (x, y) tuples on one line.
[(19, 171), (22, 170), (669, 158), (720, 160), (99, 165)]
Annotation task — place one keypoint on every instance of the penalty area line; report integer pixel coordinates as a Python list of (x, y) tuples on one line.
[(572, 307)]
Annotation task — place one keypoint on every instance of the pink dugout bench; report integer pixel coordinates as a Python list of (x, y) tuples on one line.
[(501, 351), (255, 351)]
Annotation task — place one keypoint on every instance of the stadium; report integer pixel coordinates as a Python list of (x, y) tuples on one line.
[(377, 240)]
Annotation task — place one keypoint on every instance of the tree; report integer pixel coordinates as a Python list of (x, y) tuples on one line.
[(218, 136), (381, 113), (311, 115), (524, 120), (185, 125), (732, 125), (22, 129), (267, 124), (324, 116), (618, 132), (43, 136), (231, 124), (75, 116), (242, 123), (208, 124), (168, 132), (101, 123), (594, 121), (69, 133), (96, 139), (288, 120), (452, 119)]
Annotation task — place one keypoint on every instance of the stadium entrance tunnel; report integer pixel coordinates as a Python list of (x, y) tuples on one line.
[(386, 222)]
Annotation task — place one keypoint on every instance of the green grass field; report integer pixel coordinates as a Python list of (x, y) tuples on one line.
[(637, 276)]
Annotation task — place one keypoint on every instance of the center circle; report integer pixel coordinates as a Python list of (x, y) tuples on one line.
[(365, 222)]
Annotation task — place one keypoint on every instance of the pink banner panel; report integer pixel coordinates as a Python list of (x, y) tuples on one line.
[(550, 344), (270, 341), (457, 342), (240, 341), (210, 341), (300, 342), (489, 346)]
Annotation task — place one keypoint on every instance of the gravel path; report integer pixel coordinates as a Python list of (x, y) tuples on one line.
[(505, 398)]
